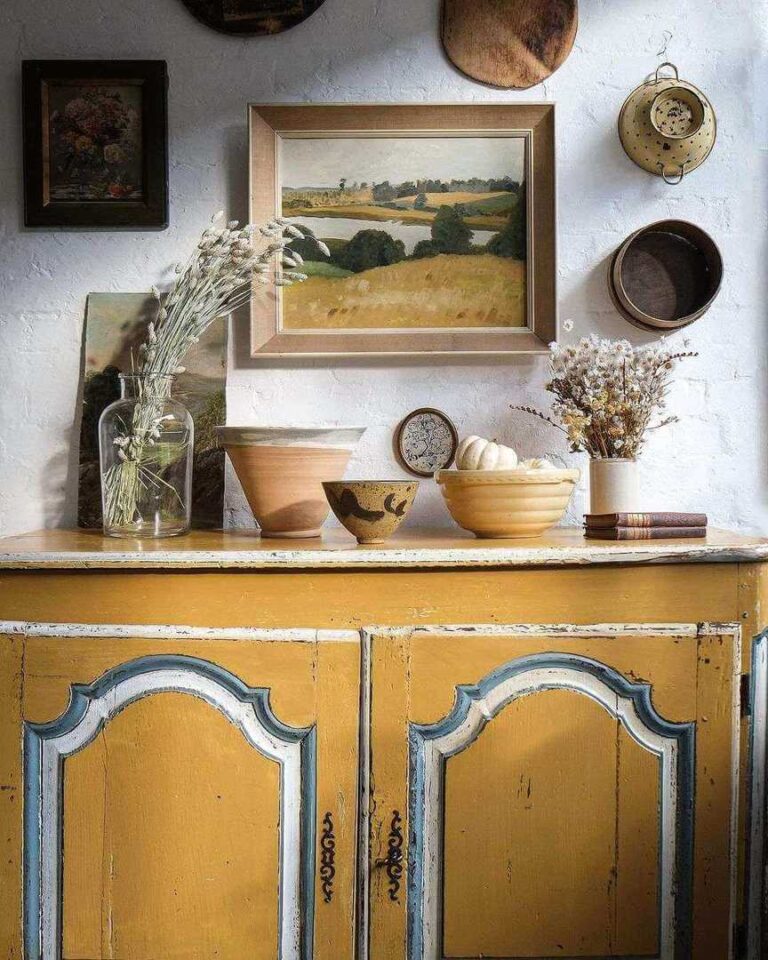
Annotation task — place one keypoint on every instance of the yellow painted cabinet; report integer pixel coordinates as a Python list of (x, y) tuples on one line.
[(192, 793), (188, 794), (552, 792)]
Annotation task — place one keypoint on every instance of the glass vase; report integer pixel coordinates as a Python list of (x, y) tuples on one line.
[(146, 442)]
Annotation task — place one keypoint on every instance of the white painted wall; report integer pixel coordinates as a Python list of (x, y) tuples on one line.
[(388, 50)]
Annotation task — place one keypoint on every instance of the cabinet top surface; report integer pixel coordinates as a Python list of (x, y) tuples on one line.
[(240, 549)]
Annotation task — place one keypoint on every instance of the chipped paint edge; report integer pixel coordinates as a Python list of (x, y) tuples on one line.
[(91, 707), (123, 631), (733, 630), (758, 751), (579, 630), (352, 557), (363, 905), (628, 702)]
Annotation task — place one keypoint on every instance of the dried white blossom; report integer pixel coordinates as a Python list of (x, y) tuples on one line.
[(216, 280), (607, 393)]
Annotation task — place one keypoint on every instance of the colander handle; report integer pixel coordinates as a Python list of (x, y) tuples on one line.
[(661, 67), (673, 179)]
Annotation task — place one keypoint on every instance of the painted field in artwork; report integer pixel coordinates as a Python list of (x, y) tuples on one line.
[(420, 232), (442, 291)]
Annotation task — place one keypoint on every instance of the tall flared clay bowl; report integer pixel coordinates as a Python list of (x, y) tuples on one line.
[(282, 469)]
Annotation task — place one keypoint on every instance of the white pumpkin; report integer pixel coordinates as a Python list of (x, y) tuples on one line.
[(538, 463), (477, 453)]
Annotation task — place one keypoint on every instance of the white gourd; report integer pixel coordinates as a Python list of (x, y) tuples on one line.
[(538, 463), (477, 453)]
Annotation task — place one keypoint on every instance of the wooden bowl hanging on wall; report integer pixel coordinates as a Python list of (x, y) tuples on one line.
[(665, 275)]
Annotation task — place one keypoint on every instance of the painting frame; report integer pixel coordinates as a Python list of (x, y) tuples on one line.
[(40, 78), (270, 124)]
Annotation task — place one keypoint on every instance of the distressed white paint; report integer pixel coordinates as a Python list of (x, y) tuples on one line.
[(757, 851), (347, 555), (731, 632), (124, 631), (483, 710), (99, 711), (371, 50), (364, 799)]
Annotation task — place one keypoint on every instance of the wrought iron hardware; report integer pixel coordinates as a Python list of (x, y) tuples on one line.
[(327, 857), (394, 862)]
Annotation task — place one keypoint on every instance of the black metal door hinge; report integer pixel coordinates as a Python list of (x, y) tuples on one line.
[(746, 695), (739, 941)]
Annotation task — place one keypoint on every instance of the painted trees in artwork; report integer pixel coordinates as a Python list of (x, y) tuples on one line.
[(369, 249)]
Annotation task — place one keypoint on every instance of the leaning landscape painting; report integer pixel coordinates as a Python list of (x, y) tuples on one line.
[(416, 231)]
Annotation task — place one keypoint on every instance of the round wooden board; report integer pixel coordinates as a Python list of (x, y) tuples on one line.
[(509, 43), (252, 17)]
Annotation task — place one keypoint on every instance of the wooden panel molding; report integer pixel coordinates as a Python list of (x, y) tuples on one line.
[(758, 751), (47, 745), (475, 706)]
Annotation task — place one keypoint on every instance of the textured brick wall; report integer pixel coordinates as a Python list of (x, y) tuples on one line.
[(388, 50)]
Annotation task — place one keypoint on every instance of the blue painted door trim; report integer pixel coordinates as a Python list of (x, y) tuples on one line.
[(640, 695), (35, 735)]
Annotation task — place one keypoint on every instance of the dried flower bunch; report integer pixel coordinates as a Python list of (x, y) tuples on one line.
[(217, 279), (607, 393)]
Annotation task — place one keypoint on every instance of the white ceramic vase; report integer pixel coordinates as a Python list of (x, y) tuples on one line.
[(613, 486)]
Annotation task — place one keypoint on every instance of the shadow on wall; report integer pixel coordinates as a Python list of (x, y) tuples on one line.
[(62, 510)]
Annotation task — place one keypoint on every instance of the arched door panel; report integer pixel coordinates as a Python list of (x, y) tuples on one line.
[(552, 791), (179, 807)]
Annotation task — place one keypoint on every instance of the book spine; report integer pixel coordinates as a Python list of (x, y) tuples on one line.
[(646, 533), (643, 520)]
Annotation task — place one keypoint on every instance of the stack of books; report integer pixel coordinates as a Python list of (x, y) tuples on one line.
[(644, 526)]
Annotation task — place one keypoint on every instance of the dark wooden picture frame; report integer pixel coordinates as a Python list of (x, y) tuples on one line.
[(271, 125), (150, 208)]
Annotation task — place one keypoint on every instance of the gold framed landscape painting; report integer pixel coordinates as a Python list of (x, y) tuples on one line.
[(428, 229)]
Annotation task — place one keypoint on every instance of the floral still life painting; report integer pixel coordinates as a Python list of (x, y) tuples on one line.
[(420, 232), (95, 143), (116, 325)]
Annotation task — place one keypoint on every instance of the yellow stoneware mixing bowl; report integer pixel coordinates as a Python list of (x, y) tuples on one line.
[(507, 503)]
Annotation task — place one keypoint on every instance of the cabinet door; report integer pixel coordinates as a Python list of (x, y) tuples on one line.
[(189, 794), (552, 792)]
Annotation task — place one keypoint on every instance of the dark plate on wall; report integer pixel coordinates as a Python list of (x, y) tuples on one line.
[(253, 17), (665, 275)]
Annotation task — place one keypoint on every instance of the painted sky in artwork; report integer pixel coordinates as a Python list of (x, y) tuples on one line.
[(321, 162)]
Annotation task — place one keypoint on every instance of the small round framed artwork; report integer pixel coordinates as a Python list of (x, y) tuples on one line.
[(426, 441)]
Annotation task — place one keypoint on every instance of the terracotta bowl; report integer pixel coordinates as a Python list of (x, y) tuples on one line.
[(281, 471), (371, 509), (507, 503)]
